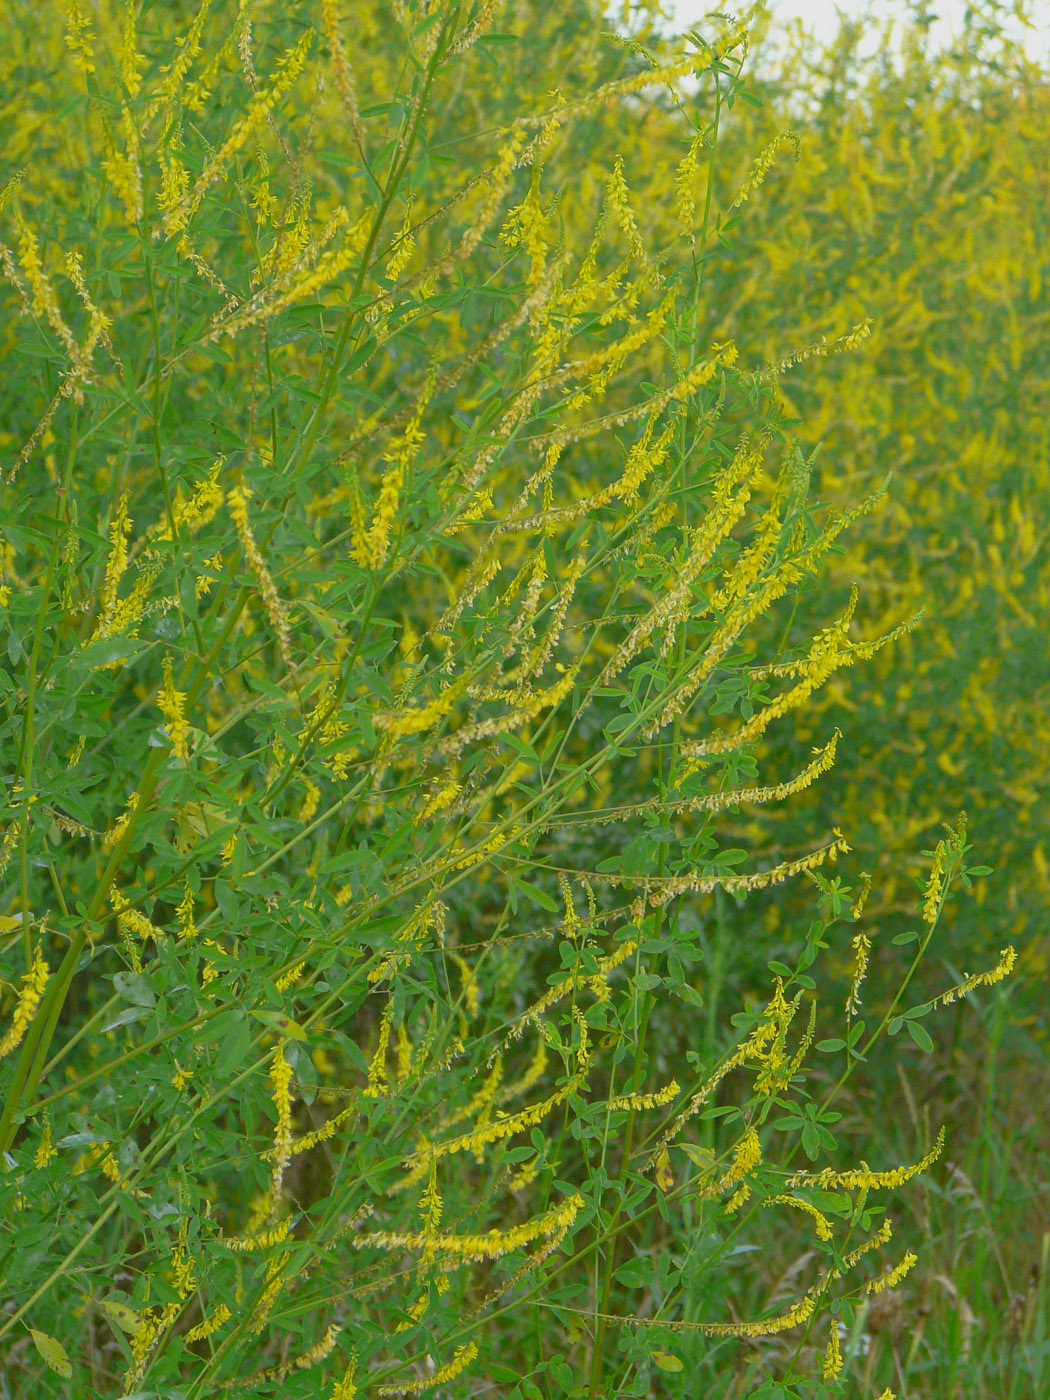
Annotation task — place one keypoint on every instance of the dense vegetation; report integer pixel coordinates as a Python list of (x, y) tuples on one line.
[(525, 595)]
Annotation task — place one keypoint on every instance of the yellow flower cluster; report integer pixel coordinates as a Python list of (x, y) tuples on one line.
[(80, 37), (172, 705), (662, 891), (132, 924), (45, 1151), (344, 78), (280, 1079), (761, 167), (530, 705), (423, 717), (288, 68), (892, 1277), (44, 299), (258, 1239), (1003, 968), (237, 499), (935, 884), (765, 1044), (801, 1312), (271, 1292), (746, 1156), (152, 1323), (492, 1245), (300, 277), (345, 1389), (428, 919), (377, 1079), (861, 946), (199, 508), (30, 994), (209, 1325), (832, 1363), (461, 1359), (820, 1220), (116, 563), (863, 1178), (121, 165), (658, 1099), (505, 1125)]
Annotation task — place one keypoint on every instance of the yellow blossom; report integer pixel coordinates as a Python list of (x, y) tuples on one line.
[(80, 37), (172, 705), (209, 1325), (832, 1355), (820, 1220), (1003, 968), (894, 1275), (861, 948), (345, 1389), (29, 997), (761, 167), (641, 1101), (492, 1245), (863, 1178), (461, 1359), (45, 1151), (280, 1079)]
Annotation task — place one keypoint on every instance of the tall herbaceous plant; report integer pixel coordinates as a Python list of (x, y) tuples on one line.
[(922, 201), (380, 543)]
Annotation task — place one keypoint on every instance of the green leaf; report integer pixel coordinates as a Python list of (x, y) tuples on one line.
[(133, 987), (811, 1141), (702, 1157), (126, 1017), (127, 1319), (636, 1273), (534, 894), (109, 649), (665, 1361), (920, 1035), (789, 1124), (54, 1353), (278, 1021)]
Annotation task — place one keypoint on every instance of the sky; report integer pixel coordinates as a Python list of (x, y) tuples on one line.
[(821, 15)]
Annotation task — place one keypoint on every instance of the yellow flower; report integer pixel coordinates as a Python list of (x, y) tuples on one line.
[(461, 1359), (761, 167), (863, 1178), (345, 1389), (1003, 968), (209, 1325), (280, 1079), (820, 1220), (894, 1276), (640, 1101), (861, 948), (833, 1354), (29, 998), (172, 705), (237, 499), (44, 1151), (80, 37)]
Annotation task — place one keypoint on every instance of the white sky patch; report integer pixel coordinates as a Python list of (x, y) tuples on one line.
[(823, 17)]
